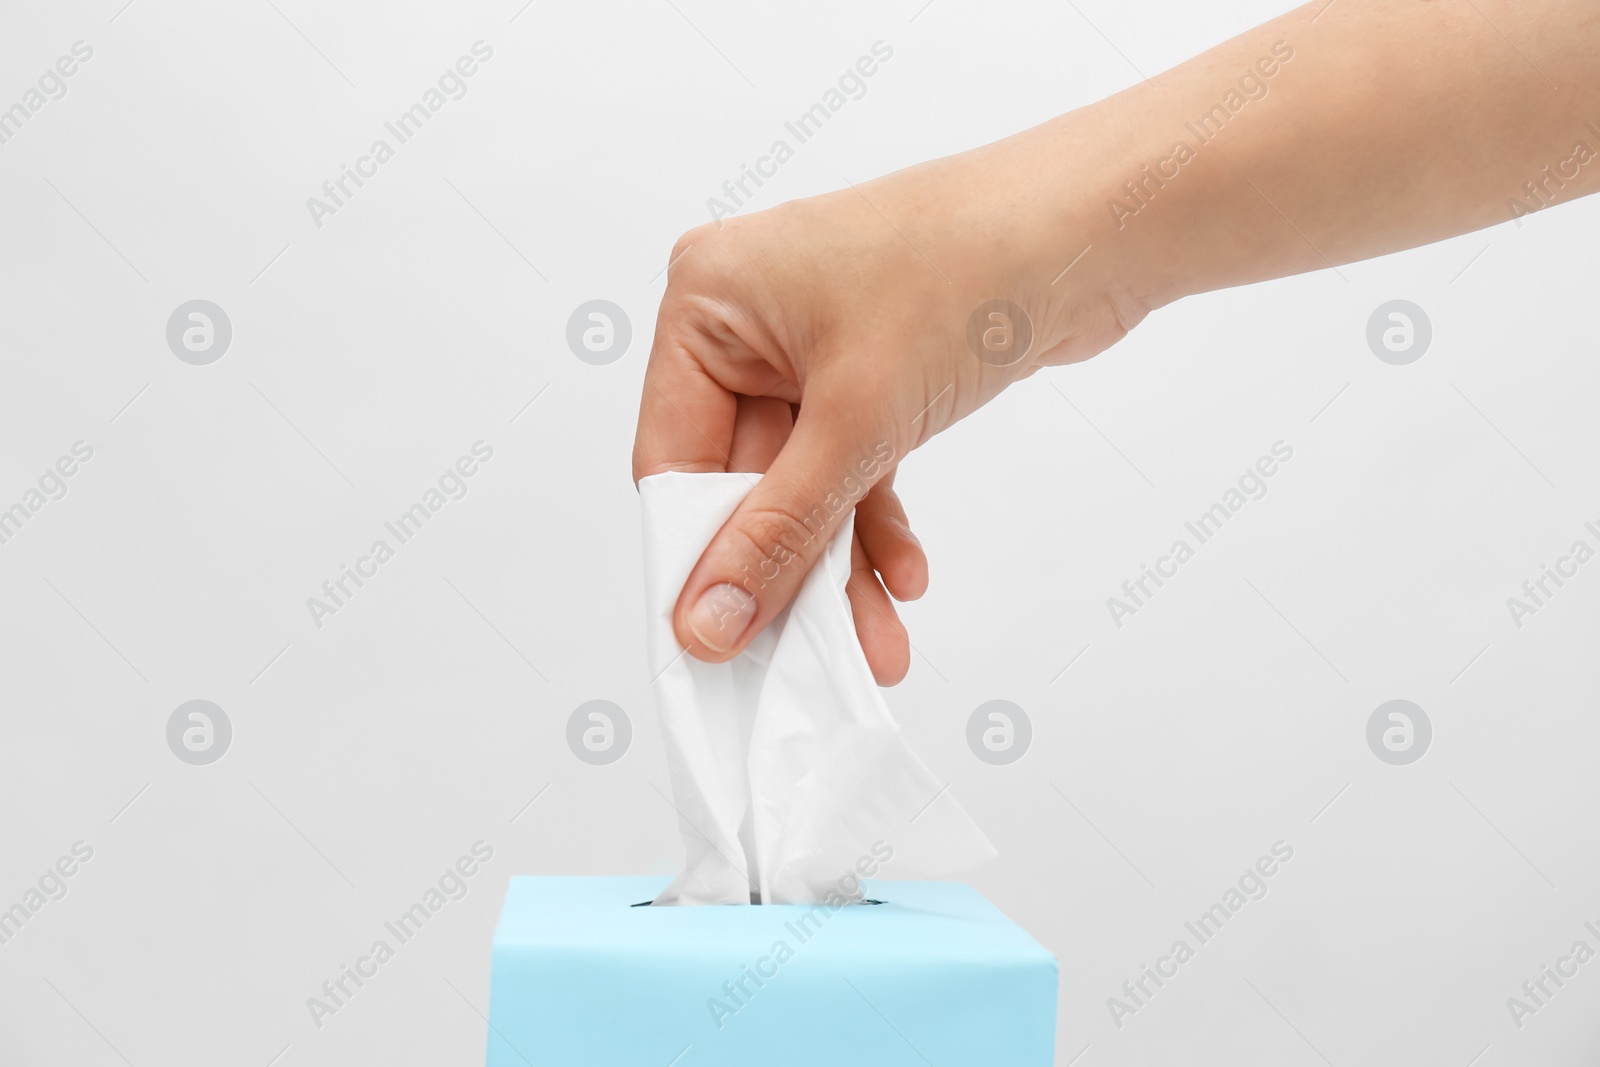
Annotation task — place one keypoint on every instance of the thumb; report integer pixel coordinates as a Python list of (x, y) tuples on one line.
[(755, 564)]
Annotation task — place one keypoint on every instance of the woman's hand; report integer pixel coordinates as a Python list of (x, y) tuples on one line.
[(820, 342)]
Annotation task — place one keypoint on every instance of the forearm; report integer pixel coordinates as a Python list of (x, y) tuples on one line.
[(1319, 139)]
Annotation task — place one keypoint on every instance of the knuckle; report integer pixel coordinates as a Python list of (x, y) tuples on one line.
[(698, 235), (777, 535)]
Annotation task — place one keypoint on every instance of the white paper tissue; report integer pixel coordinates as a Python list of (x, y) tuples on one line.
[(788, 773)]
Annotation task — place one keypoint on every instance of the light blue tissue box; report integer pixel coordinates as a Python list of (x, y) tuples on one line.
[(934, 975)]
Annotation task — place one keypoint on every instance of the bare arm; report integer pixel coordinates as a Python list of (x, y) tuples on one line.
[(1337, 132)]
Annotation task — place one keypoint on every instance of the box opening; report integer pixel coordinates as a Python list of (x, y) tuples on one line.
[(757, 904)]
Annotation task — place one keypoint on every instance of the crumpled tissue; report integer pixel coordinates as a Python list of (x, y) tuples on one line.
[(789, 775)]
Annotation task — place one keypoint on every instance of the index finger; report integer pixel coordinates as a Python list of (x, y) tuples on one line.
[(686, 417)]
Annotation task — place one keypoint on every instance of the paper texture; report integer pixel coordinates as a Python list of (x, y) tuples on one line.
[(790, 777)]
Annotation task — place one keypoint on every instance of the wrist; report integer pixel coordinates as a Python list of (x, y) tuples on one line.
[(1147, 196), (1084, 276), (1116, 233)]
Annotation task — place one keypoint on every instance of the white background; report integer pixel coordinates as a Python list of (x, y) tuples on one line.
[(369, 354)]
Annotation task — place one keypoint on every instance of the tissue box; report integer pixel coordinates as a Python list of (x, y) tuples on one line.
[(933, 975)]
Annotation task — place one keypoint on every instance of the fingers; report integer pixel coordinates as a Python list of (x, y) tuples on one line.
[(686, 419), (756, 562), (891, 548), (883, 636)]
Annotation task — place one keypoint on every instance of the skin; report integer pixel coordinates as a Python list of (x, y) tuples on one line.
[(804, 340)]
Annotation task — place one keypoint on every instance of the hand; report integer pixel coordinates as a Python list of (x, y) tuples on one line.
[(820, 342)]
